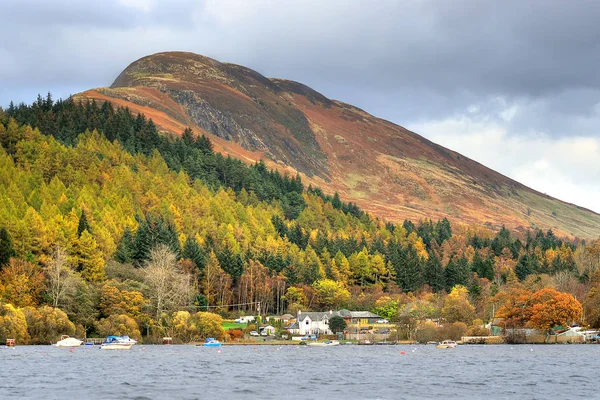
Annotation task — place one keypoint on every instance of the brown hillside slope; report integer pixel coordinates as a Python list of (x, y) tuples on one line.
[(386, 169)]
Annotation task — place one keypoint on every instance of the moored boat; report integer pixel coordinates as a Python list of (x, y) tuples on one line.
[(324, 344), (212, 342), (446, 344), (67, 341), (117, 343)]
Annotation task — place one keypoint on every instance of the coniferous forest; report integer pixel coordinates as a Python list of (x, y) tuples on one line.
[(109, 227)]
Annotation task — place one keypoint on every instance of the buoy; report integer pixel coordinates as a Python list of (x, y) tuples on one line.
[(402, 352), (70, 351), (219, 351)]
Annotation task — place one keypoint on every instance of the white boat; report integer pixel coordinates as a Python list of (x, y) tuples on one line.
[(446, 344), (117, 343), (67, 341), (324, 344)]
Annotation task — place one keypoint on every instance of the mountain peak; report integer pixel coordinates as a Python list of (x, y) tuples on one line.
[(386, 169)]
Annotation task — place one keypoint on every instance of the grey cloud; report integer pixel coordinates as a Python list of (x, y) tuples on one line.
[(404, 61)]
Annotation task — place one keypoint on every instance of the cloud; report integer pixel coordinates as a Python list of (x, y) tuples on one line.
[(565, 168), (457, 72)]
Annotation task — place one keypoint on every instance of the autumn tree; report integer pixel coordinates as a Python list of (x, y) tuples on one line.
[(330, 294), (550, 308), (61, 279), (46, 324), (208, 325), (119, 325), (457, 307), (168, 288), (88, 259), (13, 324), (21, 283)]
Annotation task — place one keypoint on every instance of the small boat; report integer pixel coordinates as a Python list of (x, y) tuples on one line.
[(117, 343), (67, 341), (446, 344), (324, 344), (212, 342)]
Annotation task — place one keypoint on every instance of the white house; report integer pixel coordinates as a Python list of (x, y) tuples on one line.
[(245, 320), (314, 323)]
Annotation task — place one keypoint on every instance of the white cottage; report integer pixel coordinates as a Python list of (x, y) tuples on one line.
[(314, 323)]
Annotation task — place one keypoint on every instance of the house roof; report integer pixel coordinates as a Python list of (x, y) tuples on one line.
[(356, 314), (316, 316), (320, 316), (295, 325), (287, 316)]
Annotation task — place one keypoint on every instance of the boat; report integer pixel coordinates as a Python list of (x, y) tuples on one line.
[(446, 344), (67, 341), (324, 344), (212, 342), (117, 343)]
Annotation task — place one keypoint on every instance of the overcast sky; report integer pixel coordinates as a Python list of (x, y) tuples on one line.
[(514, 85)]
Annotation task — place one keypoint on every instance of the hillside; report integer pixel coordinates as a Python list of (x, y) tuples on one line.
[(386, 169)]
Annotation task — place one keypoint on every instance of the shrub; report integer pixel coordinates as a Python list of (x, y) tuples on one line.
[(454, 331), (47, 324), (119, 325), (13, 324)]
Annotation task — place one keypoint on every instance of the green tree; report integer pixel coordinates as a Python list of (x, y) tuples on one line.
[(125, 249), (337, 324), (6, 249), (83, 224), (434, 273)]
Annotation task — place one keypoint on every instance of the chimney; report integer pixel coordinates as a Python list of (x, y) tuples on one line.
[(330, 311)]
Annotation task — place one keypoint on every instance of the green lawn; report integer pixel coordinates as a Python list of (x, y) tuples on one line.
[(233, 325)]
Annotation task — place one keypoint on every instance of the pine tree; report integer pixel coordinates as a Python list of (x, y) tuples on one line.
[(83, 224), (6, 249), (192, 251), (457, 273), (434, 273), (124, 253)]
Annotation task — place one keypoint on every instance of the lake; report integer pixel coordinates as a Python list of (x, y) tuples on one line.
[(300, 372)]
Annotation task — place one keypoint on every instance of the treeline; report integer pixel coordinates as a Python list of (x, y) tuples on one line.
[(95, 223)]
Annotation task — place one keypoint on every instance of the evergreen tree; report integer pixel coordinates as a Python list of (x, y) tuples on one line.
[(523, 267), (6, 249), (125, 249), (434, 273), (83, 224), (457, 273), (483, 267), (192, 251)]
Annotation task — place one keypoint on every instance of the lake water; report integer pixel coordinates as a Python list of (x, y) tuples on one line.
[(300, 372)]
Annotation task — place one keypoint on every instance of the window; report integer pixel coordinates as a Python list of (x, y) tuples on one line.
[(307, 322)]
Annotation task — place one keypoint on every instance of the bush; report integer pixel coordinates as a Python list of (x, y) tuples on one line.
[(47, 324), (208, 325), (426, 332), (119, 325), (13, 325), (235, 334), (454, 331)]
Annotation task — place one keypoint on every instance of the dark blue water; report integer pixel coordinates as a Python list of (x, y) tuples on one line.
[(300, 372)]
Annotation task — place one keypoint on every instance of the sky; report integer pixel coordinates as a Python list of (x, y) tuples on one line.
[(513, 85)]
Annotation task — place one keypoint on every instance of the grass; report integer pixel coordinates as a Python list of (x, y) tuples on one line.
[(233, 325)]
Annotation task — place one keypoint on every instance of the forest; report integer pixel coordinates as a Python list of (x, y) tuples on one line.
[(109, 227)]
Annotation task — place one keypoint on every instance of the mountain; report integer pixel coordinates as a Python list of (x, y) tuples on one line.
[(386, 169)]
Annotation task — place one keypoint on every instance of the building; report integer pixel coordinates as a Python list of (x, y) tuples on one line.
[(317, 323)]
